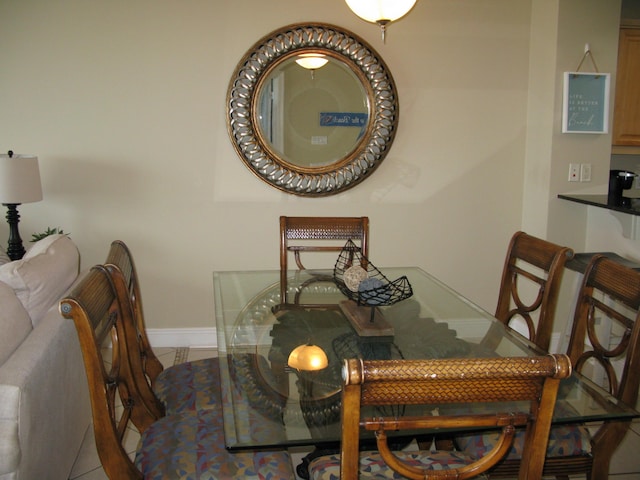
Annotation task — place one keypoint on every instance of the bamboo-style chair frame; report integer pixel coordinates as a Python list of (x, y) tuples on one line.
[(97, 313), (610, 290), (440, 382), (532, 263), (145, 366), (306, 234)]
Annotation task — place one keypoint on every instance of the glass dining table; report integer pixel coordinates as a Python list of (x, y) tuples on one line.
[(267, 403)]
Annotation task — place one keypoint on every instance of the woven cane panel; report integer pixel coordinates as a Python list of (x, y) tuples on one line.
[(388, 382), (516, 367), (535, 251), (610, 276), (335, 231), (449, 391)]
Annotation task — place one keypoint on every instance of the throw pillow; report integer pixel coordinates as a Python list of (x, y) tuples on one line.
[(15, 323), (43, 274)]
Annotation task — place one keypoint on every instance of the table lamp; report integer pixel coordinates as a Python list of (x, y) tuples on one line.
[(19, 183)]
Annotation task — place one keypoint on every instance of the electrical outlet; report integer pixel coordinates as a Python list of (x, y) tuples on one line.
[(574, 172), (585, 172)]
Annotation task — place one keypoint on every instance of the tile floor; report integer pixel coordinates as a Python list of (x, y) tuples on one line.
[(625, 464)]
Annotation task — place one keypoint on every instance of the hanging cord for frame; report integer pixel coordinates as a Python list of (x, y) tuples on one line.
[(587, 53)]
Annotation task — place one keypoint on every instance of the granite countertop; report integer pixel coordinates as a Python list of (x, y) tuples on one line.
[(627, 205)]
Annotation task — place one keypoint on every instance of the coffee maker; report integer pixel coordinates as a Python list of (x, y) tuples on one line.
[(620, 180)]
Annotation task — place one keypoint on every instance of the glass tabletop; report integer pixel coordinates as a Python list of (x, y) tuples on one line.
[(267, 403)]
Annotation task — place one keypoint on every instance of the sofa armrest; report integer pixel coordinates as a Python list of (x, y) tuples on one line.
[(48, 407), (9, 441)]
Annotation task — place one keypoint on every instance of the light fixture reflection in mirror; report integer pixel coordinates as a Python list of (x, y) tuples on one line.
[(382, 12), (308, 358), (312, 62)]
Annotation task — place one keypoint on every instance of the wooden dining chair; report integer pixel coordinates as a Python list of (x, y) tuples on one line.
[(385, 383), (189, 445), (187, 386), (530, 285), (318, 234), (609, 296)]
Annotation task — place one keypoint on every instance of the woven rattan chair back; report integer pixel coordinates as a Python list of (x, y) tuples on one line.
[(318, 234), (441, 382), (530, 285), (605, 345), (93, 305), (120, 258), (186, 445), (145, 366)]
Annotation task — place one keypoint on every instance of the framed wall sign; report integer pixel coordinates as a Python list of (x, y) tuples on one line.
[(585, 103)]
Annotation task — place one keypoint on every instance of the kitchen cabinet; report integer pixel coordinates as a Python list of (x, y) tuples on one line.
[(626, 118)]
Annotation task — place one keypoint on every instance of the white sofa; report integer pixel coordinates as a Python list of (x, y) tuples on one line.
[(44, 400)]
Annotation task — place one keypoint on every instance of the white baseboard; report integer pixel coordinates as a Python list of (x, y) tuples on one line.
[(183, 337)]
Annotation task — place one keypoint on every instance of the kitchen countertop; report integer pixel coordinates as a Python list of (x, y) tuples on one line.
[(630, 206)]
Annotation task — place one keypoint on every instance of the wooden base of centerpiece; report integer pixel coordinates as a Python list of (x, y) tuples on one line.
[(361, 320)]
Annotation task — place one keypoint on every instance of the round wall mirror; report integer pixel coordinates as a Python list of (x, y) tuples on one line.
[(312, 109)]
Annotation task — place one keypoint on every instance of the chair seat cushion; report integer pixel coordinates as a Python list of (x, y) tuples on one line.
[(372, 466), (191, 447), (190, 386), (564, 441)]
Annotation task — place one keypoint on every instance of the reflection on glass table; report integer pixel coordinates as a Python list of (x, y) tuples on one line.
[(268, 403)]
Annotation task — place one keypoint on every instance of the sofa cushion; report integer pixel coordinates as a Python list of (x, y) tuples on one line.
[(4, 258), (43, 274), (15, 323)]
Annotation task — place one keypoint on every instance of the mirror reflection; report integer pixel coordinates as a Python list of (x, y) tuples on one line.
[(312, 110)]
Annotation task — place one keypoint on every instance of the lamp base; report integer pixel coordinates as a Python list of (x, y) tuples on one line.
[(15, 250)]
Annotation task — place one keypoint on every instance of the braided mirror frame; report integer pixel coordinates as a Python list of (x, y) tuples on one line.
[(365, 63)]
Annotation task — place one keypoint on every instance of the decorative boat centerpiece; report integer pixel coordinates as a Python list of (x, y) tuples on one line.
[(366, 286)]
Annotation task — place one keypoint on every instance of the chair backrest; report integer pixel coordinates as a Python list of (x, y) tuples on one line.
[(98, 316), (441, 382), (144, 365), (605, 343), (305, 234), (530, 285), (120, 258)]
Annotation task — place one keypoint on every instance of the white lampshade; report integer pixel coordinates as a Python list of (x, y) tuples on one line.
[(311, 61), (308, 357), (380, 11), (19, 179)]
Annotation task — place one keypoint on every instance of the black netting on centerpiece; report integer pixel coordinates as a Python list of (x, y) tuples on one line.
[(361, 281)]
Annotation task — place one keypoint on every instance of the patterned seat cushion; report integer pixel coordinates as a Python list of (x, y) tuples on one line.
[(190, 386), (191, 447), (372, 466), (564, 441)]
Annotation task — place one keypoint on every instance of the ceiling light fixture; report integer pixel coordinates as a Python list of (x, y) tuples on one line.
[(382, 12)]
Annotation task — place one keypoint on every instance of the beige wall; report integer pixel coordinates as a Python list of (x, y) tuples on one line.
[(124, 103)]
